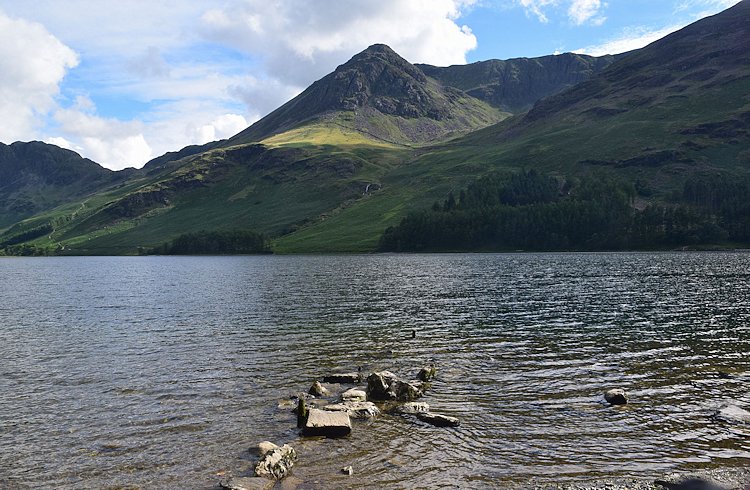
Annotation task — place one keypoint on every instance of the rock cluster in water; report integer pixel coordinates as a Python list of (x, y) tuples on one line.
[(318, 417)]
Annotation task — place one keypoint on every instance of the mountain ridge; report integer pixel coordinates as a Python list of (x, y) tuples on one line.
[(514, 85)]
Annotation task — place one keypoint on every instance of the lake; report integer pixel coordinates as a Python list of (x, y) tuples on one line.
[(161, 372)]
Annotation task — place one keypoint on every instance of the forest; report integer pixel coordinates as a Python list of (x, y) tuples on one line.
[(536, 212), (230, 242)]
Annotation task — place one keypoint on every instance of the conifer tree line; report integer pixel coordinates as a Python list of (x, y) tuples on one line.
[(224, 242), (532, 211)]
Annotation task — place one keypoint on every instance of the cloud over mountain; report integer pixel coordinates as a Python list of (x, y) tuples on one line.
[(33, 63)]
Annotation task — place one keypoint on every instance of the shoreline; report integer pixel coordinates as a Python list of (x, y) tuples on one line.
[(725, 478)]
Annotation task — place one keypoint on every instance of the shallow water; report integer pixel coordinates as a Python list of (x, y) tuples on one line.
[(160, 372)]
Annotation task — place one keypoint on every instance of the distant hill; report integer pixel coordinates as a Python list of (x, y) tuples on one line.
[(515, 85), (36, 176)]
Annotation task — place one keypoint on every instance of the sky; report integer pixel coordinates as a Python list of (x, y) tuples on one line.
[(124, 81)]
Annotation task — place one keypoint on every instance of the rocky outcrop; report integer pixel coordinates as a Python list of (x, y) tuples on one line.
[(317, 389), (327, 423), (438, 420), (276, 463), (355, 409), (515, 85), (427, 373), (616, 397), (385, 385)]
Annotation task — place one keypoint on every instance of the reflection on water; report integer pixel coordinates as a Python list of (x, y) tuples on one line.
[(158, 372)]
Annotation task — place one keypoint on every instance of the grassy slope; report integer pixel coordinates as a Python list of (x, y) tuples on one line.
[(559, 147), (275, 189)]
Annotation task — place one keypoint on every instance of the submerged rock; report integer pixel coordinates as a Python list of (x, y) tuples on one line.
[(276, 463), (355, 409), (733, 414), (343, 378), (245, 483), (427, 373), (412, 408), (354, 395), (317, 389), (438, 420), (616, 397), (327, 423), (385, 385)]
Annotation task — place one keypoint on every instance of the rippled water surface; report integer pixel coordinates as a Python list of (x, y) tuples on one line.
[(160, 372)]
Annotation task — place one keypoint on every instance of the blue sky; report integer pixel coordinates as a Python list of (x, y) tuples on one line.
[(122, 82)]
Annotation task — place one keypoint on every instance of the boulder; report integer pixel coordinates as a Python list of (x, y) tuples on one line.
[(327, 423), (354, 395), (356, 409), (385, 385), (733, 414), (246, 483), (690, 484), (616, 397), (438, 420), (347, 470), (318, 389), (277, 463), (343, 378), (427, 373), (412, 408)]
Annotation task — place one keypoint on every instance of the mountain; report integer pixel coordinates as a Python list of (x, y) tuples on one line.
[(672, 113), (380, 139), (379, 94), (36, 176), (515, 85)]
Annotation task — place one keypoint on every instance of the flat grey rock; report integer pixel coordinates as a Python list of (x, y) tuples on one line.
[(327, 423), (438, 420), (355, 409), (354, 395), (246, 483)]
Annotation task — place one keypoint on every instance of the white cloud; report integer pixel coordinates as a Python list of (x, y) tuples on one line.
[(222, 127), (708, 7), (150, 64), (581, 11), (300, 41), (113, 143), (634, 38), (536, 7), (33, 63), (639, 37)]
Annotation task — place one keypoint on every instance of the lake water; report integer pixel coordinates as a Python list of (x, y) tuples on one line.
[(161, 372)]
